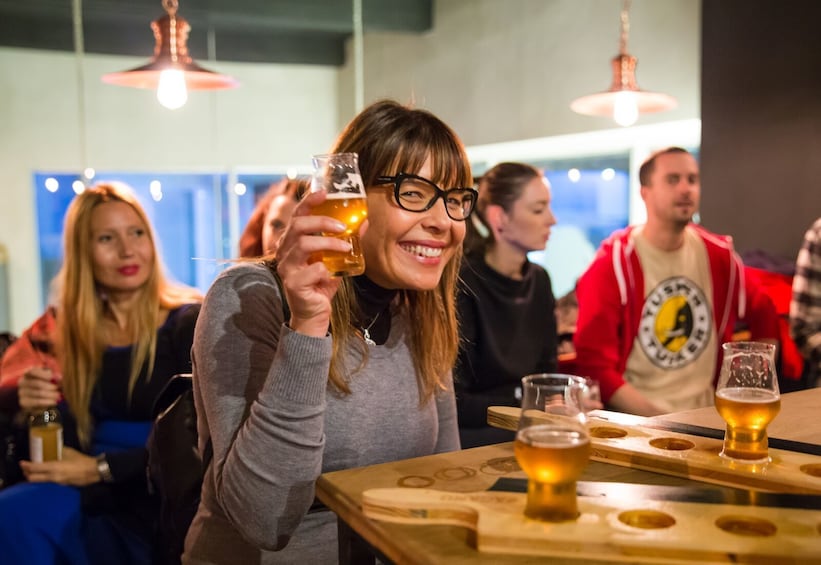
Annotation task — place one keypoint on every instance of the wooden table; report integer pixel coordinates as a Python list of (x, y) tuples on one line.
[(474, 470), (797, 421)]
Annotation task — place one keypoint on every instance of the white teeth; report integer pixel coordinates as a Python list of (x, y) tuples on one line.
[(422, 250)]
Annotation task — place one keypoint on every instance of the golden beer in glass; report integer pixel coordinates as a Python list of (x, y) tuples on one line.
[(747, 399), (338, 175), (552, 445)]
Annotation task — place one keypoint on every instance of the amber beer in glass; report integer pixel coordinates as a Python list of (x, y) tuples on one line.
[(552, 444), (747, 399), (338, 175)]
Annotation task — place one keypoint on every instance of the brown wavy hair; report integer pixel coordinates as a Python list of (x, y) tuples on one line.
[(391, 138), (80, 339)]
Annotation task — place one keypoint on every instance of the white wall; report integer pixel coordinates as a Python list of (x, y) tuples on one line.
[(495, 70), (502, 70), (279, 116)]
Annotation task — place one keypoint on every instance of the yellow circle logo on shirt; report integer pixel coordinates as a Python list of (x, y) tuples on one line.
[(675, 323)]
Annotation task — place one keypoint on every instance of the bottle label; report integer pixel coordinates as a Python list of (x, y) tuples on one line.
[(46, 443)]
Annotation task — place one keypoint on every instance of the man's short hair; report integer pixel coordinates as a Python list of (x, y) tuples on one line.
[(646, 169)]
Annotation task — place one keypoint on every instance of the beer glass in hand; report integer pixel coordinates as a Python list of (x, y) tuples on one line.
[(552, 444), (748, 399), (338, 175)]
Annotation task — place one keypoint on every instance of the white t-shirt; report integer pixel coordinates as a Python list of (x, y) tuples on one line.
[(673, 356)]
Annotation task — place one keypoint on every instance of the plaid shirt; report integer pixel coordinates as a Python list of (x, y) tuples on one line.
[(805, 309)]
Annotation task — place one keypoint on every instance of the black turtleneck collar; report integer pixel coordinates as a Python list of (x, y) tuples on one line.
[(374, 301)]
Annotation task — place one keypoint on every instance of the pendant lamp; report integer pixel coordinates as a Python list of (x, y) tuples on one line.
[(624, 101), (172, 71)]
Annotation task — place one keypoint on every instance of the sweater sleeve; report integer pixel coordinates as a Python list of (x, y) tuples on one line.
[(262, 389), (760, 314), (448, 439), (550, 353), (33, 349), (472, 405), (600, 327), (805, 307)]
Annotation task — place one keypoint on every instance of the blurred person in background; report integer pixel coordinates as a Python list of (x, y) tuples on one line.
[(659, 299), (270, 216), (118, 331), (805, 307), (507, 317)]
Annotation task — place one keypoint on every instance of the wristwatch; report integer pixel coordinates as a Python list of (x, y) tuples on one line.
[(103, 469)]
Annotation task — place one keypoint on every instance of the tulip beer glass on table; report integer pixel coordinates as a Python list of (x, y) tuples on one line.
[(338, 175), (552, 444), (748, 399)]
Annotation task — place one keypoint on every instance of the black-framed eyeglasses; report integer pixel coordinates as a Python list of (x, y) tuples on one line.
[(417, 194)]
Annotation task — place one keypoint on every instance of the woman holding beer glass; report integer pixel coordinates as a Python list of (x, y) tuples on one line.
[(120, 330), (286, 384)]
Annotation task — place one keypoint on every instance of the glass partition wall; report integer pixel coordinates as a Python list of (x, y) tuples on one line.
[(199, 216)]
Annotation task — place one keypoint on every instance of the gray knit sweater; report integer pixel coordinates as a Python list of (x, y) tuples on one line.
[(263, 401)]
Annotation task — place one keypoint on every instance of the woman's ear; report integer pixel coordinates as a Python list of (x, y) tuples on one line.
[(496, 218)]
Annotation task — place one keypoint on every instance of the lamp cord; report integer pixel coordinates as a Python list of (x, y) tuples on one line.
[(79, 47), (170, 7), (625, 27)]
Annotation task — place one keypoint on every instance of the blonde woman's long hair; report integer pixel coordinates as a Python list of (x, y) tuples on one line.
[(81, 341), (391, 138)]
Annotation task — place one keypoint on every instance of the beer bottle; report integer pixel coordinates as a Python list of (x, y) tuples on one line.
[(45, 435)]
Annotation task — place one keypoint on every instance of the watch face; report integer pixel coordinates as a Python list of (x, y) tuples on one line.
[(104, 470)]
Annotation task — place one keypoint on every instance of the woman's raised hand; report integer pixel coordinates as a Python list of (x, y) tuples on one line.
[(39, 388), (308, 285)]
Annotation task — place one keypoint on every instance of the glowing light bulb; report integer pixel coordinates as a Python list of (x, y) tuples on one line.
[(52, 184), (625, 108), (171, 91)]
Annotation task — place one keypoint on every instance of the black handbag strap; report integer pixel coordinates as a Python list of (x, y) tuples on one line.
[(175, 386)]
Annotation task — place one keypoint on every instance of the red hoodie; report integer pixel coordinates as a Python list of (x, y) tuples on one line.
[(611, 296)]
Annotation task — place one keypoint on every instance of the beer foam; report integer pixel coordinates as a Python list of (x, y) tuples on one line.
[(552, 437), (748, 395), (344, 195)]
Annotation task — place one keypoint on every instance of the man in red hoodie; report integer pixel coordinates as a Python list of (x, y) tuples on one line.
[(659, 299)]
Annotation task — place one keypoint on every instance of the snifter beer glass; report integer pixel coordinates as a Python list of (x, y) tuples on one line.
[(338, 175), (552, 444), (748, 399)]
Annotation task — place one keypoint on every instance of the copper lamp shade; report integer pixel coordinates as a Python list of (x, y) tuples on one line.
[(624, 80), (624, 101), (170, 53)]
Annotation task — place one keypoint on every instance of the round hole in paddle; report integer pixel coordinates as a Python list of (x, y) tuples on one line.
[(812, 469), (647, 519), (415, 481), (454, 473), (672, 443), (604, 432), (746, 526)]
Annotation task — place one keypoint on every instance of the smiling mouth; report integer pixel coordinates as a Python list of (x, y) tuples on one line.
[(422, 250)]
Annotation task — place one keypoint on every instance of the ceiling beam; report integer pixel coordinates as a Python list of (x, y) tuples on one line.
[(260, 31)]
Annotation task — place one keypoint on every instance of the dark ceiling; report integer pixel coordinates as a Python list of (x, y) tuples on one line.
[(259, 31)]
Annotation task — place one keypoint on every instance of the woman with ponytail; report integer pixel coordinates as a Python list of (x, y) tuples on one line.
[(505, 302)]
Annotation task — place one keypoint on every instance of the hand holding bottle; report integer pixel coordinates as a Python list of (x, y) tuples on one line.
[(76, 469), (39, 388)]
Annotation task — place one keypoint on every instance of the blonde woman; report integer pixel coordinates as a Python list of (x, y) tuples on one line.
[(121, 330), (359, 373)]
